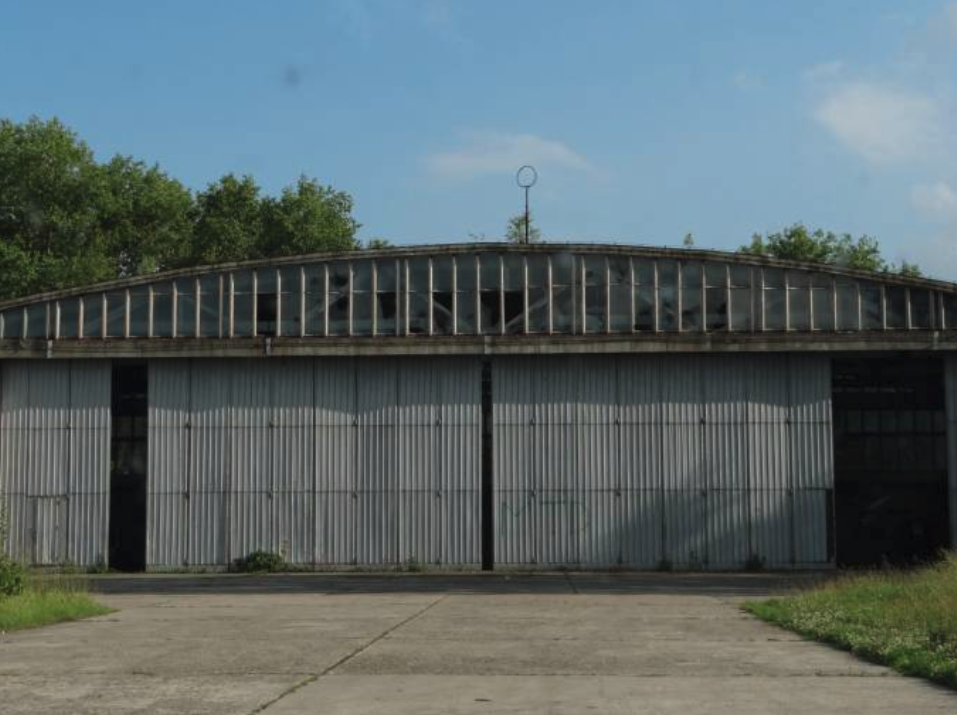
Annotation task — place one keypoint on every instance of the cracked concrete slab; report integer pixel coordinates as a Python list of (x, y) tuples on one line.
[(635, 643)]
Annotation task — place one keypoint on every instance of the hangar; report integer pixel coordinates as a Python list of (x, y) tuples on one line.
[(484, 405)]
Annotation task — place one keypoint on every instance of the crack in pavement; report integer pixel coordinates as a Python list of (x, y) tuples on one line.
[(346, 658)]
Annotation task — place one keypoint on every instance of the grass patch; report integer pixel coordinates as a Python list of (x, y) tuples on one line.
[(904, 619), (48, 599)]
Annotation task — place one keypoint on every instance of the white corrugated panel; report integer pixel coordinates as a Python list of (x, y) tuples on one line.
[(376, 391), (291, 392), (641, 527), (335, 391), (555, 456), (461, 527), (684, 463), (558, 526), (514, 383), (810, 527), (377, 527), (377, 463), (294, 521), (167, 530), (459, 455), (49, 391), (724, 381), (416, 458), (597, 378), (641, 456), (292, 454), (169, 393), (48, 527), (15, 395), (558, 389), (251, 392), (812, 455), (250, 523), (250, 458), (516, 527), (420, 526), (728, 515), (460, 390), (209, 459), (685, 531), (639, 388), (768, 388), (726, 445), (768, 459), (207, 528), (597, 457), (513, 459), (418, 393), (42, 455), (20, 520), (771, 526), (211, 393), (90, 394), (89, 461), (681, 390), (810, 388), (168, 457), (336, 458), (88, 533), (599, 528), (336, 523)]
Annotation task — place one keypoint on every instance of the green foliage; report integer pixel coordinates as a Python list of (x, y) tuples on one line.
[(515, 230), (907, 620), (376, 244), (48, 599), (688, 240), (260, 562), (12, 577), (68, 220), (797, 243), (413, 565)]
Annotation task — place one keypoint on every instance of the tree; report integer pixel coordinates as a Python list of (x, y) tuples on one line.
[(797, 243), (377, 244), (515, 231), (688, 240), (228, 221), (307, 219)]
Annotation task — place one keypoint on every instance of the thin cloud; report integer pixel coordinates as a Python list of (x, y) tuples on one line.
[(936, 201), (746, 80), (882, 124), (497, 153), (824, 71)]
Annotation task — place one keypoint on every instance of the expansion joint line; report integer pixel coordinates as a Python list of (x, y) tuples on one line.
[(349, 656)]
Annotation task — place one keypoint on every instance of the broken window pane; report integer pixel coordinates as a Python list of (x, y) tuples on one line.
[(290, 299), (595, 305), (896, 297), (315, 300), (920, 313), (563, 309), (644, 307), (741, 309), (266, 314), (594, 270), (871, 306), (385, 313), (466, 312), (442, 312), (667, 295), (847, 313), (362, 312), (691, 276), (338, 313), (619, 270), (418, 313), (620, 301), (717, 308), (537, 271), (362, 276), (538, 310), (491, 312)]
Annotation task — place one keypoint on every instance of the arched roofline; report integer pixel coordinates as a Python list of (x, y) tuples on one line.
[(650, 252)]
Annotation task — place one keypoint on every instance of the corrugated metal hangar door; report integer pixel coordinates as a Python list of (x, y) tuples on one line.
[(365, 461)]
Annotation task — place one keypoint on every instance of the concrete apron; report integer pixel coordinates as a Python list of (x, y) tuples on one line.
[(561, 644)]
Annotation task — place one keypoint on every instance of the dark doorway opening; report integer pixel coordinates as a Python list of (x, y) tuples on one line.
[(890, 457), (128, 459)]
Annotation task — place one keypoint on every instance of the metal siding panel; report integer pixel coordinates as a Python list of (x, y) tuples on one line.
[(89, 461), (558, 526), (768, 458), (420, 523), (15, 396), (167, 530), (250, 523), (376, 391), (639, 388), (681, 392), (336, 458), (20, 520), (641, 456), (291, 392), (513, 459), (812, 455), (685, 529), (459, 455), (558, 389), (251, 397), (599, 528), (292, 454), (377, 527), (516, 527), (728, 514), (810, 527), (335, 391), (88, 533), (461, 540), (49, 530), (250, 460), (376, 459), (810, 388), (49, 391), (169, 393), (42, 455), (641, 528), (724, 380), (768, 389), (726, 446), (597, 458), (294, 519), (90, 394), (211, 390), (417, 393), (168, 455), (771, 526), (336, 527), (555, 456), (209, 459), (207, 528), (514, 384), (684, 465), (460, 390), (597, 381), (416, 458)]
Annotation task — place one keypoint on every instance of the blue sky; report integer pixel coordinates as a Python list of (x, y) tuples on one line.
[(646, 121)]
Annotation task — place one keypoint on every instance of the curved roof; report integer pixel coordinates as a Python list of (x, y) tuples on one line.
[(493, 297)]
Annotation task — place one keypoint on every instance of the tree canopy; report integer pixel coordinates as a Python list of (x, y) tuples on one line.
[(800, 244), (67, 219), (515, 230)]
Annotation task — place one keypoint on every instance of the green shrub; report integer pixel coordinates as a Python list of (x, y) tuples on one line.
[(12, 577), (259, 562)]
